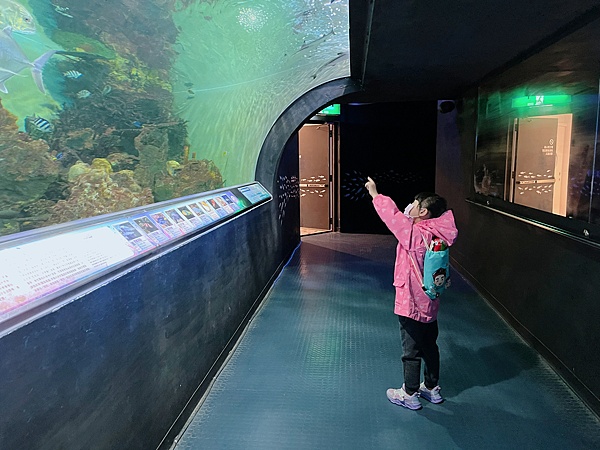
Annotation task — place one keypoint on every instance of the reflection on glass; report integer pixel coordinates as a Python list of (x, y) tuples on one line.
[(536, 142), (111, 105)]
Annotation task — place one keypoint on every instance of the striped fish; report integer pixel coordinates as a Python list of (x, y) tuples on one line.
[(72, 74), (42, 124)]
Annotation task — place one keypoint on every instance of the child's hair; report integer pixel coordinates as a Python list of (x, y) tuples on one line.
[(435, 204)]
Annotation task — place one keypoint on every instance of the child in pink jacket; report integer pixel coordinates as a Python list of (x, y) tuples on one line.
[(423, 219)]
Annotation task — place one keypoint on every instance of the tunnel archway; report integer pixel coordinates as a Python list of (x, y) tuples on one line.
[(291, 120)]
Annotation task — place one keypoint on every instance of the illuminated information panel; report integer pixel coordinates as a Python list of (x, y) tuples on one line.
[(34, 270)]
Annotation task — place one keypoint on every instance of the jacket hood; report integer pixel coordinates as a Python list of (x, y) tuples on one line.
[(442, 227)]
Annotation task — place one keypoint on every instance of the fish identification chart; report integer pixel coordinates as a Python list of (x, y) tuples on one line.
[(41, 267)]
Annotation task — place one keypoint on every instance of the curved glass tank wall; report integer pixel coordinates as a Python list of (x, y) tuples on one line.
[(111, 105)]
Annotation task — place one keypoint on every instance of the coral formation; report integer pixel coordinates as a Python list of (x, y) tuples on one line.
[(167, 178), (102, 164), (115, 142), (78, 169), (122, 161), (191, 178), (27, 171), (97, 192)]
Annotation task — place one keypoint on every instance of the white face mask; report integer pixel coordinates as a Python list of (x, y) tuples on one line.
[(407, 210)]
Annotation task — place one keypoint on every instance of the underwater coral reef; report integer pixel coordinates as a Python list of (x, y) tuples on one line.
[(109, 138)]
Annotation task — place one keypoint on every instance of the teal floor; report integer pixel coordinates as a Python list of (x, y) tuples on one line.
[(312, 369)]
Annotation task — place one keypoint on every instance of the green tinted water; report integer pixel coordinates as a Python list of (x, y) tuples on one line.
[(246, 65), (147, 100)]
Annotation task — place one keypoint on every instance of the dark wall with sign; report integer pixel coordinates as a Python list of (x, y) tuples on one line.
[(545, 284), (393, 143)]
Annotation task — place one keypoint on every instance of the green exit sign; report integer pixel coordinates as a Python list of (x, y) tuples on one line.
[(333, 110), (540, 100)]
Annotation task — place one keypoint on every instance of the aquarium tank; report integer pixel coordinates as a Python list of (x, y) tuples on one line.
[(114, 104)]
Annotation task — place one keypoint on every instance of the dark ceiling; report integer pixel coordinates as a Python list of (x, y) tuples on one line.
[(432, 49)]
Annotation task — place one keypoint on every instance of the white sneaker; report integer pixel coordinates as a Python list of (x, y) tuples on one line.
[(400, 397), (432, 395)]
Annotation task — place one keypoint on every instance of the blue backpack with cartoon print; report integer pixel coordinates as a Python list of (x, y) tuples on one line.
[(436, 268)]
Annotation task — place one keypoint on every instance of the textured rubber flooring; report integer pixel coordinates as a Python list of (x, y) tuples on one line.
[(312, 369)]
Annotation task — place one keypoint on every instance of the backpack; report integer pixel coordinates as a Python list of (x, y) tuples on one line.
[(436, 268)]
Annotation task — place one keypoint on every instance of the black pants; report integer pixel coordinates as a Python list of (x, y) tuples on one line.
[(419, 342)]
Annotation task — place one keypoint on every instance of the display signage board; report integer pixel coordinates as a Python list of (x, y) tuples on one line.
[(32, 271), (39, 268), (254, 193)]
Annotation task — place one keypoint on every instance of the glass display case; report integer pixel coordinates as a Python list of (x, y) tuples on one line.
[(112, 105), (537, 138)]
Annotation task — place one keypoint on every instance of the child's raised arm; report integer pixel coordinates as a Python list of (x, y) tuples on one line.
[(395, 220)]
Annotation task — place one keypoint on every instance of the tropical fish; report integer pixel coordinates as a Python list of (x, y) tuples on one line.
[(61, 10), (107, 89), (342, 56), (191, 92), (84, 94), (13, 60), (188, 85), (14, 15), (138, 124), (72, 74), (57, 157), (41, 124)]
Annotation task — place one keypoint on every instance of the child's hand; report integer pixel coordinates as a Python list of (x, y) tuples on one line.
[(370, 185)]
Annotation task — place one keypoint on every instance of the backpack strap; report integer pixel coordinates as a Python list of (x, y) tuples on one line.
[(417, 273), (428, 246), (416, 269)]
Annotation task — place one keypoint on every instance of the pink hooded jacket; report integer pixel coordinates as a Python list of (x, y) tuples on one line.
[(411, 301)]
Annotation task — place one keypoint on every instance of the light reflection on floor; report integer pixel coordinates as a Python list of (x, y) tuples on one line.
[(306, 231)]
